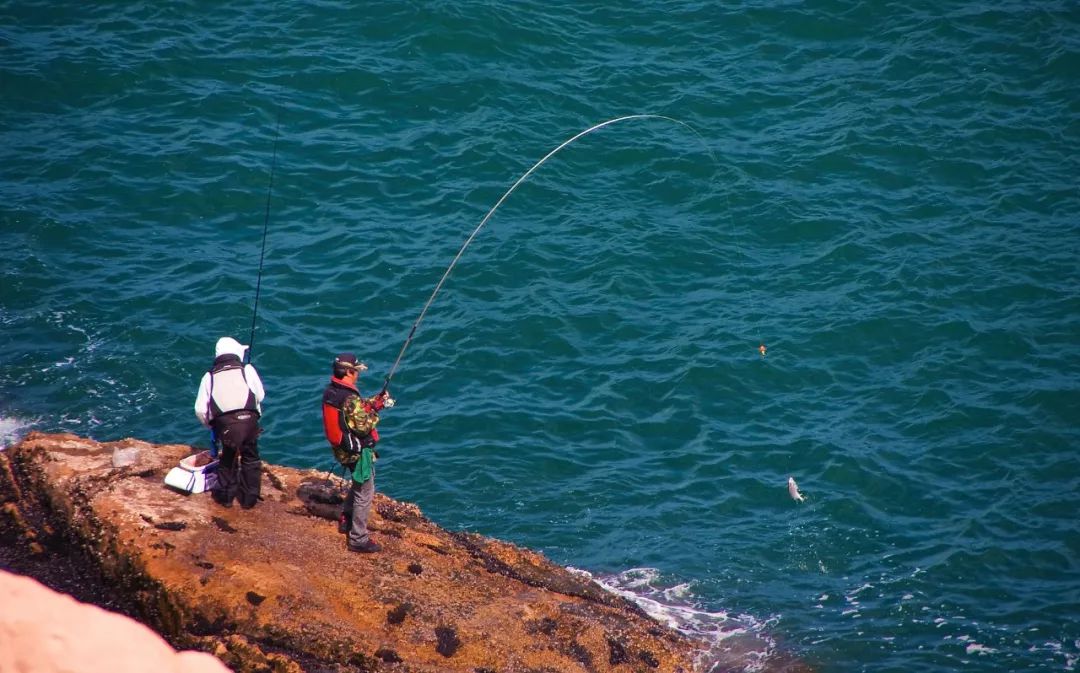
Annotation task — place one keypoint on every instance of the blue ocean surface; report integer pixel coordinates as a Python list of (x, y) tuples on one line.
[(882, 194)]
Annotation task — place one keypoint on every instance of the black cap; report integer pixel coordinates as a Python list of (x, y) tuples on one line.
[(349, 361)]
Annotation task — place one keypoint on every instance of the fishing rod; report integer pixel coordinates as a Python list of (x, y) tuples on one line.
[(266, 226), (461, 251)]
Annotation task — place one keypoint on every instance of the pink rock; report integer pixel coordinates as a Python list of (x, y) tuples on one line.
[(42, 631)]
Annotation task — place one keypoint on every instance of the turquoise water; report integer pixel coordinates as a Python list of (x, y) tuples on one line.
[(884, 194)]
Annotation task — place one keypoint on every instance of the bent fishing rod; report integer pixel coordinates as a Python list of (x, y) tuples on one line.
[(461, 251), (266, 226)]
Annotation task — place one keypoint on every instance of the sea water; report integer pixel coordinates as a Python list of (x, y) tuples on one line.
[(882, 194)]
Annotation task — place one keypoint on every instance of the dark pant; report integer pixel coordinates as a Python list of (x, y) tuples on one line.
[(239, 473)]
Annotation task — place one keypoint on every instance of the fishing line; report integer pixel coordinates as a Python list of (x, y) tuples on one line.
[(754, 326), (438, 286), (266, 226)]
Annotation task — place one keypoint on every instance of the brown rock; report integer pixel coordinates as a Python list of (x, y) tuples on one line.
[(273, 588)]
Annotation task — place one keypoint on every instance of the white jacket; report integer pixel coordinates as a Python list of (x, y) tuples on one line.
[(227, 394)]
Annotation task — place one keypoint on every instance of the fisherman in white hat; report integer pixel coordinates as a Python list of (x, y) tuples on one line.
[(230, 403)]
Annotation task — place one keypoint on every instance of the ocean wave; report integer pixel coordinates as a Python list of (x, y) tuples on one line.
[(733, 642), (12, 430)]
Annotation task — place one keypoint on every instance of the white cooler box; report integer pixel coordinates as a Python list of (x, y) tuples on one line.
[(191, 478)]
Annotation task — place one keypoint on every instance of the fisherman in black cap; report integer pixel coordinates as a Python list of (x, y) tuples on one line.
[(349, 421)]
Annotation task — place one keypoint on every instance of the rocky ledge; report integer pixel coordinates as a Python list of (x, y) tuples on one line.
[(273, 588)]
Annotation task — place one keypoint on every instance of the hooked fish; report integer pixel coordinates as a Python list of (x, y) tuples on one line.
[(793, 490)]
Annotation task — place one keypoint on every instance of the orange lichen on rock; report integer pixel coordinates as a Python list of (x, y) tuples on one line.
[(273, 588)]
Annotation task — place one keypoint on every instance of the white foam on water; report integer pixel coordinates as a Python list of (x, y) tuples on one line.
[(12, 430), (59, 364), (734, 643), (976, 648)]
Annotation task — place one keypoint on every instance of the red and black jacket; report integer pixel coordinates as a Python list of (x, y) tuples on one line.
[(334, 397)]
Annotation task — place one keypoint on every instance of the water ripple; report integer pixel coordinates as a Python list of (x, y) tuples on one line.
[(890, 211)]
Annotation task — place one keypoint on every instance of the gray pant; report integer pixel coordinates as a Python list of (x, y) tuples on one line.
[(358, 502)]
